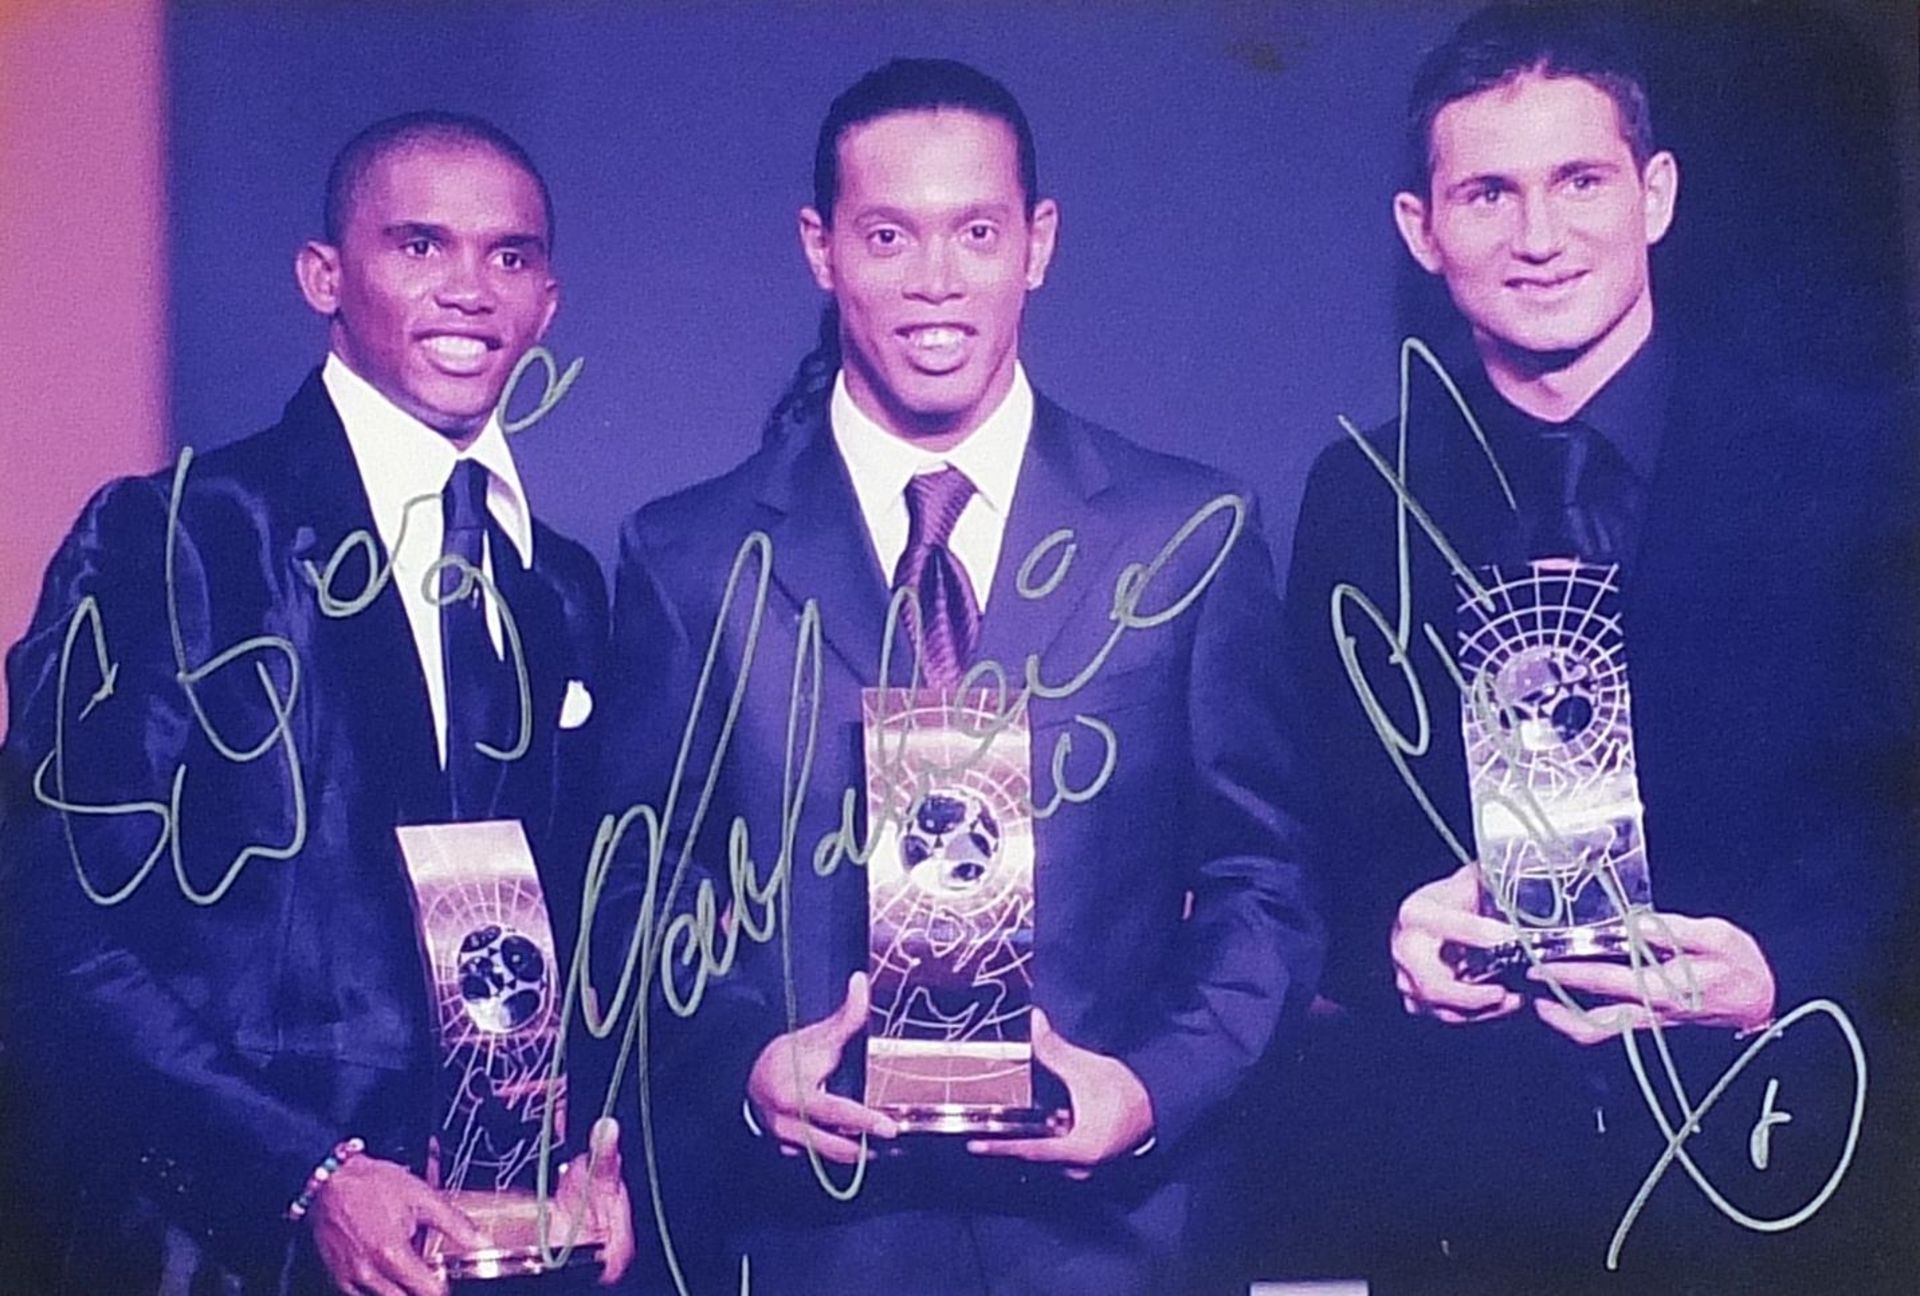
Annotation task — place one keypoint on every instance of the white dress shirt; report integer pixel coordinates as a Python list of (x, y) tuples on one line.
[(880, 464), (404, 465)]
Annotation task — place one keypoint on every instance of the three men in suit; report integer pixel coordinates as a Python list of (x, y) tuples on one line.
[(1171, 933), (1757, 581), (242, 676)]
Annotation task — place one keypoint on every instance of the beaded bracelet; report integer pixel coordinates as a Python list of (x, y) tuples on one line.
[(343, 1152)]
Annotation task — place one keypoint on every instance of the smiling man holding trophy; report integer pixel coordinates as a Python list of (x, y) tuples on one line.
[(1595, 639), (291, 649), (1033, 1005)]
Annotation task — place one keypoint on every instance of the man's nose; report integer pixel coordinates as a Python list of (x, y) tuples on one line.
[(465, 285), (934, 277), (1541, 232)]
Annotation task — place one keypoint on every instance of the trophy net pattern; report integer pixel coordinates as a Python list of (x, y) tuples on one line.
[(1546, 717)]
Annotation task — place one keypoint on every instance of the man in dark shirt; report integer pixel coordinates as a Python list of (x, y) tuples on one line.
[(1757, 597)]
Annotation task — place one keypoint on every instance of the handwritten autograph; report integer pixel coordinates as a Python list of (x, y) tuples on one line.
[(701, 940), (1400, 746)]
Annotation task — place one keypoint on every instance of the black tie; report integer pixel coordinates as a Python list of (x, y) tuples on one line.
[(1591, 501), (476, 682)]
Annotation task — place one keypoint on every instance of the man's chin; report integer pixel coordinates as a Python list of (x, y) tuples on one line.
[(1544, 351), (454, 413), (456, 424)]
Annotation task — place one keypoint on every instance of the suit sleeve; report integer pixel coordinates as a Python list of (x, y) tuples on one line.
[(105, 1042), (1250, 953)]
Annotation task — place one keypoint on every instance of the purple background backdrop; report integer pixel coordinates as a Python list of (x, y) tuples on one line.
[(1224, 287), (1229, 279)]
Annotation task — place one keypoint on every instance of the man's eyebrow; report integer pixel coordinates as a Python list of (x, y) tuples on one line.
[(1477, 181), (949, 215), (867, 215), (1579, 166), (406, 231), (993, 210), (403, 231)]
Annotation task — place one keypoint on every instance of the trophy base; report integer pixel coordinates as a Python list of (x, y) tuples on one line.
[(977, 1120), (1605, 943), (1508, 963), (512, 1220)]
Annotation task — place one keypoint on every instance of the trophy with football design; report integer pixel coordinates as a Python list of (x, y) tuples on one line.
[(1547, 719), (950, 913), (496, 990)]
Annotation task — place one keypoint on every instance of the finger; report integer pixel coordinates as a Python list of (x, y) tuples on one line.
[(1652, 986), (621, 1246), (1593, 1025), (831, 1147), (1052, 1051), (843, 1116), (399, 1270), (1060, 1149), (852, 1014), (443, 1217), (1448, 993), (1461, 926), (604, 1144), (373, 1284), (1510, 1003), (1681, 933)]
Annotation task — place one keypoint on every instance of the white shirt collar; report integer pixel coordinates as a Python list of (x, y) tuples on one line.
[(400, 459), (880, 462), (879, 465)]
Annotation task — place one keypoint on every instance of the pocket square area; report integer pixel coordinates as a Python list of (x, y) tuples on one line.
[(576, 706)]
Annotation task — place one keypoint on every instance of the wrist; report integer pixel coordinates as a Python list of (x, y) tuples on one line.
[(343, 1151)]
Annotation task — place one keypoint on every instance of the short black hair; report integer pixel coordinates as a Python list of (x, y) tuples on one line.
[(918, 85), (1503, 42), (412, 130)]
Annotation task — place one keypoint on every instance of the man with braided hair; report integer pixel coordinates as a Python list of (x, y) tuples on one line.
[(1172, 937)]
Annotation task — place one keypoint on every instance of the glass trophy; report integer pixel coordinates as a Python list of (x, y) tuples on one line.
[(950, 913), (1547, 718), (495, 986)]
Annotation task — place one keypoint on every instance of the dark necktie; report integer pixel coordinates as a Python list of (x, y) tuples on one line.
[(476, 683), (950, 614), (1592, 501)]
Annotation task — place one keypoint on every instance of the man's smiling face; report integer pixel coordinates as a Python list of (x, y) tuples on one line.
[(930, 253), (1537, 215), (440, 281)]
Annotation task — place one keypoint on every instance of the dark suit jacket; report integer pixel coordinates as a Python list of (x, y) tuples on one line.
[(204, 1057), (1767, 620), (1200, 802)]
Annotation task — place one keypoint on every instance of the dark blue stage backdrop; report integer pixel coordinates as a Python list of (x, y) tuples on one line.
[(1225, 284), (1229, 278)]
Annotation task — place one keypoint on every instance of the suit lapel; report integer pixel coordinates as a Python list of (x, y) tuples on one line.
[(821, 551), (371, 650), (1061, 475)]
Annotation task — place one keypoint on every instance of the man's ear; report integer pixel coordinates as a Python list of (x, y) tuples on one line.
[(1660, 182), (1410, 217), (1043, 233), (816, 246), (316, 266), (553, 306)]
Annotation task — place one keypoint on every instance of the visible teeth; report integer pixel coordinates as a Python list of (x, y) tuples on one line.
[(457, 348), (931, 339)]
